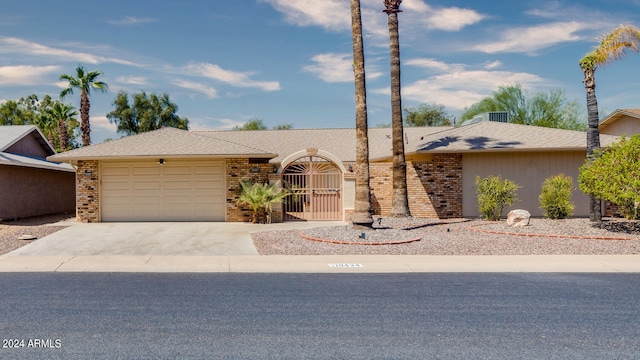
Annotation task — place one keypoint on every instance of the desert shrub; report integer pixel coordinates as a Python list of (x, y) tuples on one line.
[(260, 196), (555, 198), (614, 175), (494, 194)]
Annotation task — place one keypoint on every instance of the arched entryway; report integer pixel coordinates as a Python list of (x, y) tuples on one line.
[(315, 186)]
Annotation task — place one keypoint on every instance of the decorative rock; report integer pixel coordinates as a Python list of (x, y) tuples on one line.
[(27, 237), (518, 218)]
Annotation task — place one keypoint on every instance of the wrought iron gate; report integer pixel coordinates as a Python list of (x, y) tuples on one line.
[(315, 186)]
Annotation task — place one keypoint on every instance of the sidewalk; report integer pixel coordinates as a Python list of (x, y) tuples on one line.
[(324, 264)]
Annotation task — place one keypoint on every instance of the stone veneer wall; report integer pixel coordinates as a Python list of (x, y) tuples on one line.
[(434, 187), (241, 169), (88, 192)]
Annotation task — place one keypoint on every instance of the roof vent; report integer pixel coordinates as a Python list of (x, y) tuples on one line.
[(496, 116)]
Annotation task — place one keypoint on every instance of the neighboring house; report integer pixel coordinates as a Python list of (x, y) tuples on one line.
[(177, 175), (29, 184), (621, 122)]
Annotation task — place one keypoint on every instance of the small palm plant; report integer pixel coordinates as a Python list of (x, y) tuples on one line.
[(260, 196)]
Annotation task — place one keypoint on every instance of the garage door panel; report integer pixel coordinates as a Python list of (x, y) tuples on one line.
[(177, 170), (177, 185), (146, 185), (179, 190), (146, 170), (116, 185), (116, 171)]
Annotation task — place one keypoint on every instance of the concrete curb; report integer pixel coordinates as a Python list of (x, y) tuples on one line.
[(325, 264)]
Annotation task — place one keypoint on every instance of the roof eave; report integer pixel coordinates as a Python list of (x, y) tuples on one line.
[(70, 159)]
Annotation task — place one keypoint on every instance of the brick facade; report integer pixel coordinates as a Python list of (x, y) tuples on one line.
[(434, 187), (88, 191), (242, 169)]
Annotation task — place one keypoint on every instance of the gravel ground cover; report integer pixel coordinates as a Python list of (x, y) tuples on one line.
[(38, 227), (457, 237)]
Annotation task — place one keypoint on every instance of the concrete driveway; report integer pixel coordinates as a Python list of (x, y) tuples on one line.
[(155, 238)]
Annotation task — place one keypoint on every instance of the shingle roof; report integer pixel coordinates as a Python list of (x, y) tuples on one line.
[(277, 144), (165, 142), (11, 134), (339, 142), (489, 136), (614, 116), (19, 160)]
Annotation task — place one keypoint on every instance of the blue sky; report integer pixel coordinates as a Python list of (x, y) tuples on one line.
[(289, 61)]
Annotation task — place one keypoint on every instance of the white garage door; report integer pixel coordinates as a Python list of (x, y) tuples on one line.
[(179, 190)]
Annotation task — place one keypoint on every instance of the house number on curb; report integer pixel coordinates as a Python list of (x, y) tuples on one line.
[(345, 265)]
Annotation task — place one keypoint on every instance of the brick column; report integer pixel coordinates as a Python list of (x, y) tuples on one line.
[(88, 192)]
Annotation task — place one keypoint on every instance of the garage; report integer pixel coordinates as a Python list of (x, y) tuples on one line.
[(163, 190)]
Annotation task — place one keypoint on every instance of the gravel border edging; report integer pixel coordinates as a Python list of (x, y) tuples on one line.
[(372, 243), (557, 236)]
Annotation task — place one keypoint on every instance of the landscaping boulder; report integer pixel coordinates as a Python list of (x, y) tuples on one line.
[(518, 218)]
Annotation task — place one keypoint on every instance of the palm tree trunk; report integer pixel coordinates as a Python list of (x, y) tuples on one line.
[(362, 209), (85, 126), (593, 136), (63, 134), (400, 200)]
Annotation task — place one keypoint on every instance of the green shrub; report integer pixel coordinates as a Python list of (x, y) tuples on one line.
[(555, 198), (614, 175), (494, 194), (260, 196)]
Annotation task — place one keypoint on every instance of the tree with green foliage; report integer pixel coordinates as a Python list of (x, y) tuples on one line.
[(283, 127), (260, 196), (148, 112), (494, 194), (47, 114), (20, 112), (85, 81), (546, 109), (555, 198), (613, 46), (614, 175), (252, 124), (257, 124), (64, 116), (427, 115)]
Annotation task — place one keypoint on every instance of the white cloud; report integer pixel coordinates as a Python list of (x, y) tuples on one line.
[(12, 45), (131, 20), (451, 19), (493, 65), (333, 15), (234, 78), (210, 92), (132, 80), (457, 86), (102, 122), (532, 39), (335, 68), (433, 64), (25, 74)]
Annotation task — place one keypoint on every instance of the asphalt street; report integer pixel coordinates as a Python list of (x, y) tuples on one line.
[(319, 316)]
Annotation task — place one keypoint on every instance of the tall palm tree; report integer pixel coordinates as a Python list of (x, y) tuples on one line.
[(47, 124), (84, 81), (400, 200), (362, 209), (612, 47), (63, 113)]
